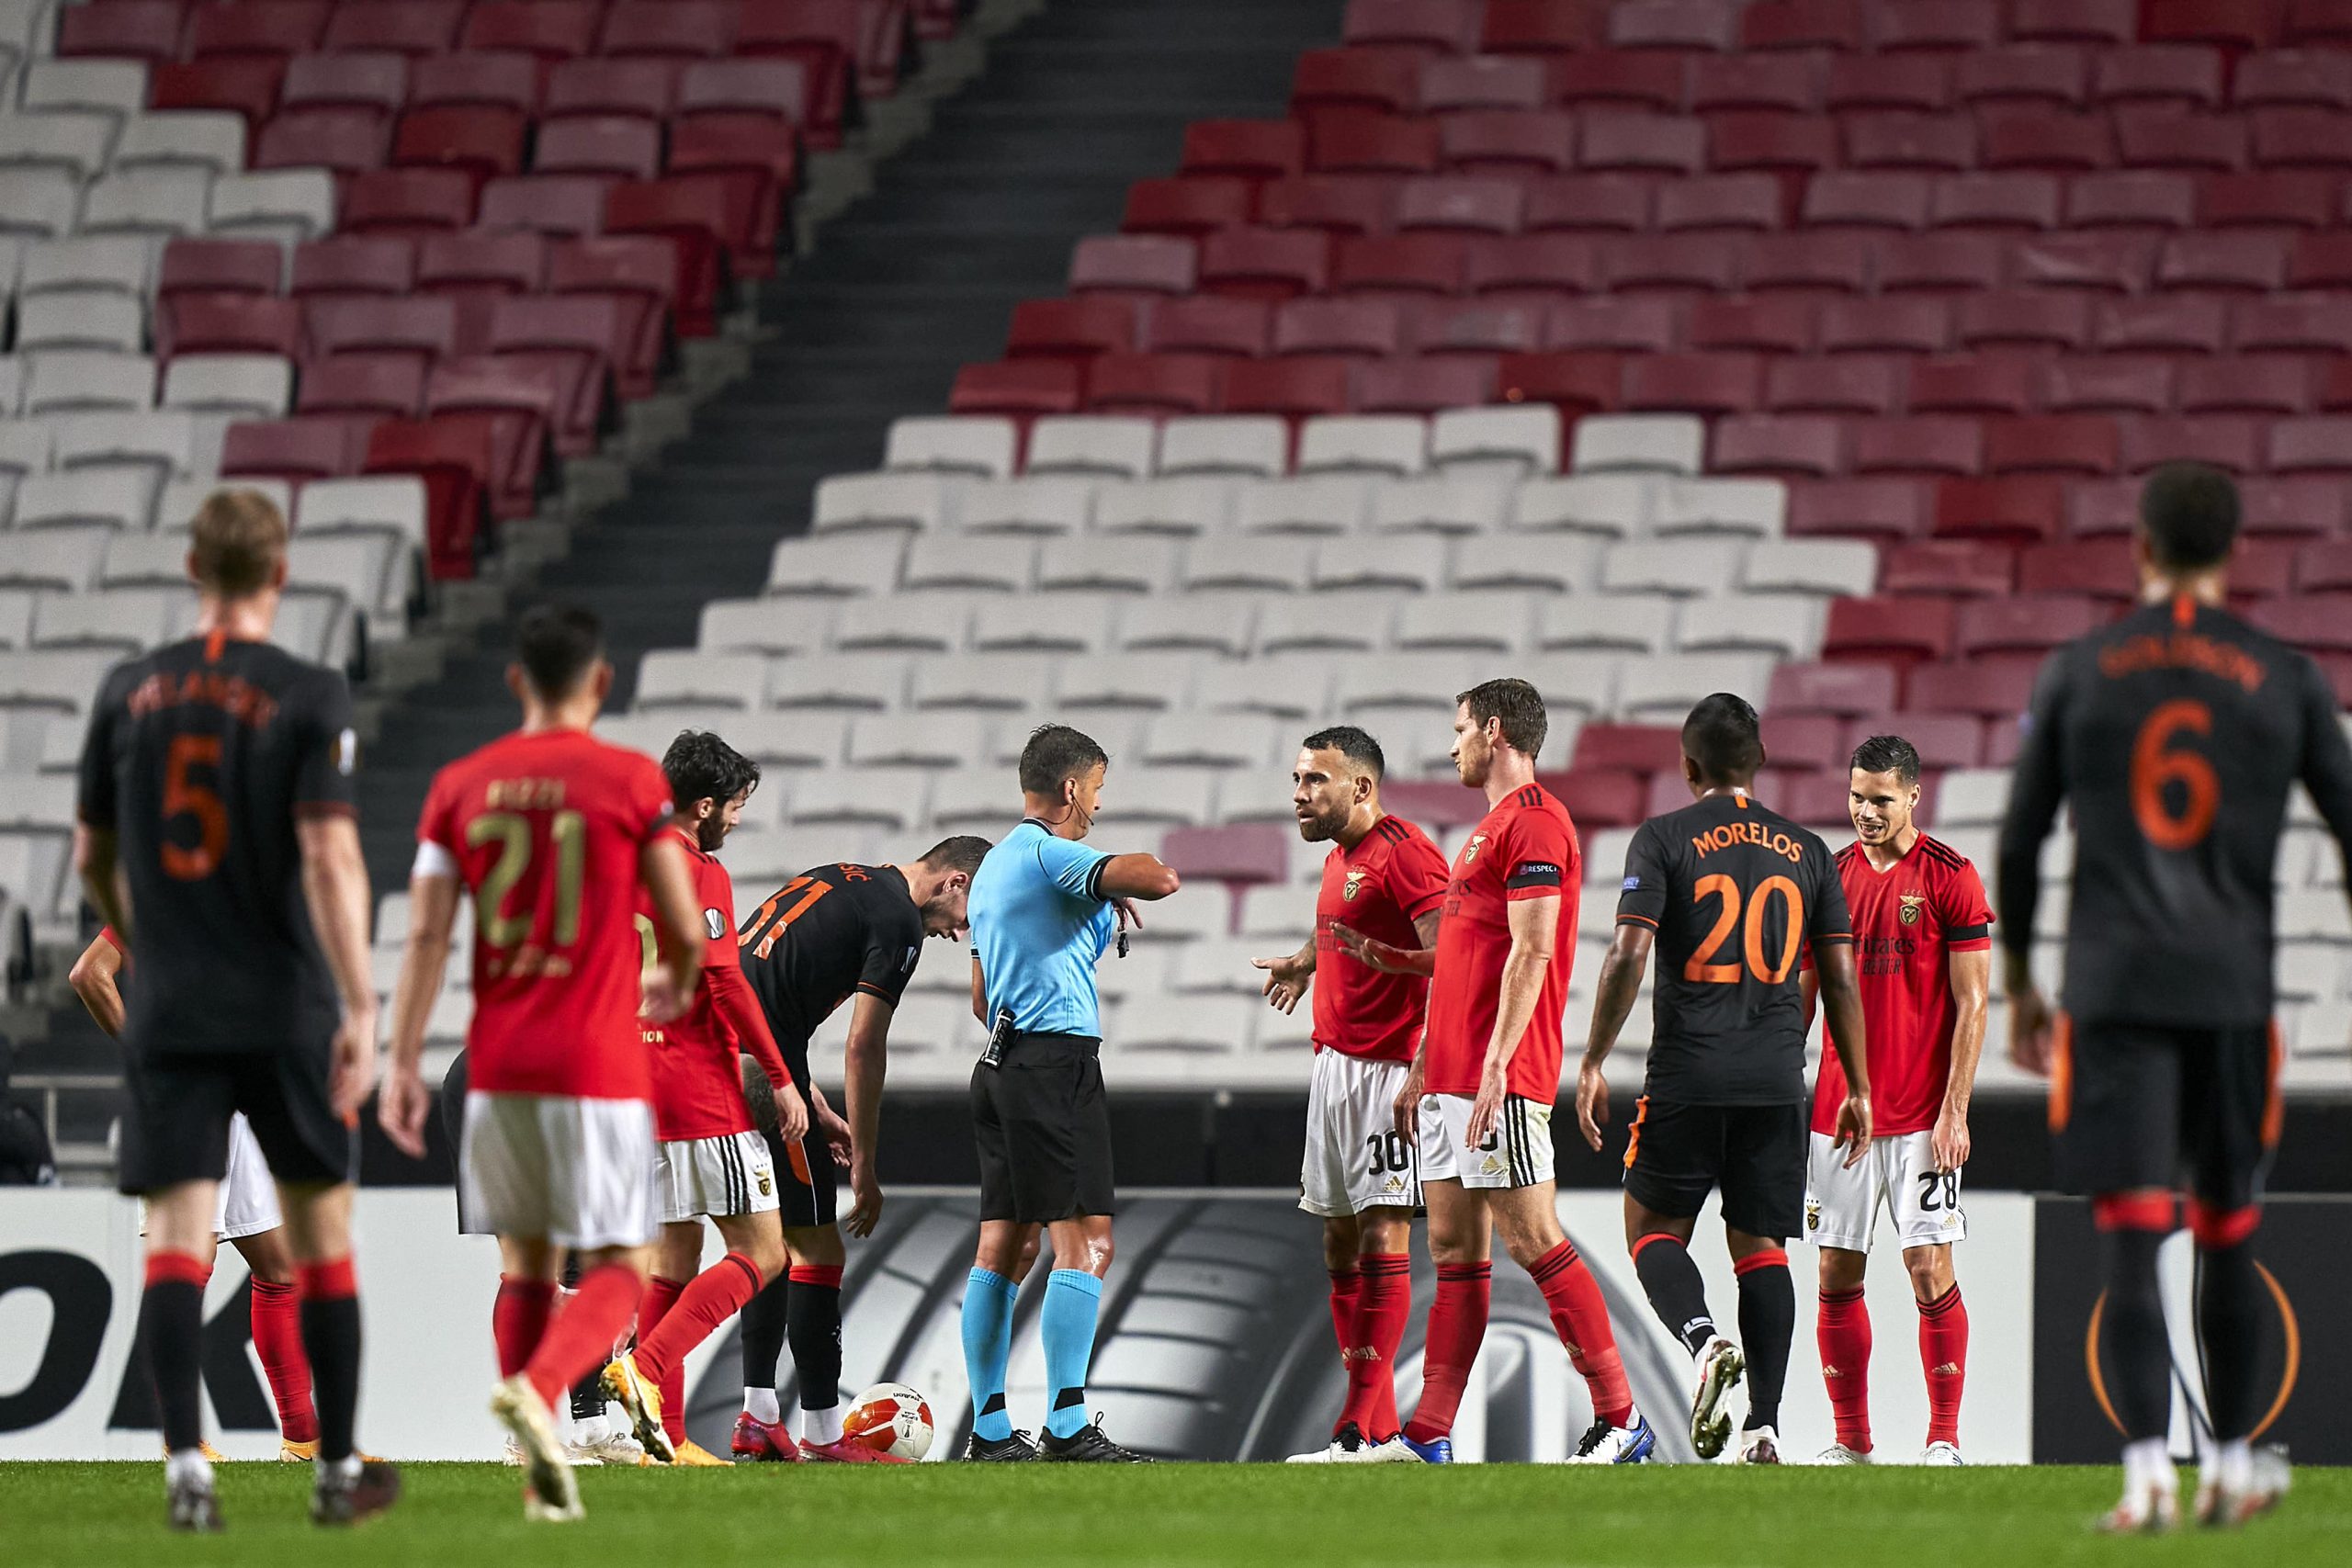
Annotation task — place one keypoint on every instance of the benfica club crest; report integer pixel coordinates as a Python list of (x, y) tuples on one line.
[(1909, 913), (1353, 885), (1470, 849)]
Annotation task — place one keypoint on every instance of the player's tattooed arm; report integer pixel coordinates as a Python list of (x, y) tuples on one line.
[(1288, 975), (1534, 927), (1612, 1003), (1389, 958), (93, 979), (1972, 984)]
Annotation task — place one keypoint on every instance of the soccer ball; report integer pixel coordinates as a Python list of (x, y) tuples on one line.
[(890, 1418)]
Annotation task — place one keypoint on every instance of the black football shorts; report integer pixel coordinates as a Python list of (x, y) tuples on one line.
[(2135, 1106), (805, 1171), (177, 1106), (1753, 1155), (1042, 1127)]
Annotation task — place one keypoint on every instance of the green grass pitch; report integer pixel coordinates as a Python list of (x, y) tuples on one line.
[(1661, 1517)]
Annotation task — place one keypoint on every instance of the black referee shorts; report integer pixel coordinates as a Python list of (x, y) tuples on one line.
[(2135, 1106), (1042, 1129), (1753, 1155), (175, 1120)]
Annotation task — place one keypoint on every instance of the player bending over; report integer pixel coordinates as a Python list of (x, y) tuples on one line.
[(1732, 894), (833, 932), (2176, 733), (216, 833), (1384, 882), (712, 1162), (246, 1217), (1922, 937), (1477, 1101), (552, 831)]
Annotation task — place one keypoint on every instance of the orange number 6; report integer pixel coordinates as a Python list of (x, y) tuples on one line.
[(2154, 766), (182, 798)]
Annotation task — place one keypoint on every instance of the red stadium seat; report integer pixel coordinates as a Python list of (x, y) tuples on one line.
[(1958, 569), (406, 27), (2048, 317), (354, 265), (1803, 24), (1723, 202), (454, 456), (2096, 568), (2324, 566), (2292, 321), (2055, 141), (349, 141), (128, 29), (376, 383), (641, 271), (2051, 444), (1383, 79), (2048, 75), (2019, 510), (1791, 445), (2320, 261), (236, 266), (484, 142), (1782, 143), (2134, 198), (2029, 624), (1892, 324), (1634, 139), (1070, 329), (2159, 137), (2280, 507), (2106, 384), (255, 29), (1341, 204), (2314, 624), (2313, 444), (1973, 383), (1459, 205), (1508, 141), (1948, 261), (295, 450), (1936, 24), (709, 217), (2315, 78), (1343, 141), (1250, 149), (618, 145), (220, 321), (2180, 75), (1264, 264), (2105, 260), (551, 204), (551, 29), (1881, 630), (1776, 323), (1440, 27), (1616, 79), (1483, 81), (1188, 205), (2231, 25), (2252, 260), (2175, 323), (758, 159), (2299, 198), (1923, 446), (588, 337), (1839, 199), (1532, 266), (1020, 389), (2226, 442), (1845, 383), (476, 268), (2257, 384), (645, 87), (1538, 27), (1424, 386), (1920, 82), (1599, 797), (2004, 201), (1693, 383), (1833, 263), (827, 73), (679, 30), (1155, 383), (408, 202), (1689, 25), (2317, 21), (2301, 138), (1297, 389), (777, 89), (1575, 383), (378, 82), (1610, 202), (1840, 690), (521, 403), (507, 80), (243, 87), (1211, 324), (2075, 21), (1806, 742), (416, 325), (1634, 748), (1143, 264), (1667, 262), (1754, 81), (1990, 688), (1411, 263), (1370, 328), (1900, 138)]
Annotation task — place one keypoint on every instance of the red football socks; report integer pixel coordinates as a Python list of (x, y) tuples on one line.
[(661, 1296), (1943, 1351), (518, 1318), (1844, 1332), (1457, 1327), (1381, 1311), (1347, 1294), (1581, 1319), (580, 1337), (713, 1296), (276, 1310)]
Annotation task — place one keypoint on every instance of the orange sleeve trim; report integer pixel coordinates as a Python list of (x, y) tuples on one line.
[(1625, 918)]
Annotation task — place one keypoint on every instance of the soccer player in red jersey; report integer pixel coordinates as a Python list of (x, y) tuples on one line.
[(712, 1161), (1923, 940), (1478, 1099), (552, 830), (246, 1217), (1382, 880)]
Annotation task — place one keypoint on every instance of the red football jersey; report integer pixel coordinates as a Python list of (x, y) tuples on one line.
[(697, 1087), (1907, 919), (1392, 876), (546, 828), (1525, 848)]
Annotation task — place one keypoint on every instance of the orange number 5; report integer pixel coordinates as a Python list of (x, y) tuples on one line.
[(182, 798), (2154, 766)]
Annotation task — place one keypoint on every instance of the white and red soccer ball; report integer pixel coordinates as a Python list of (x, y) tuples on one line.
[(890, 1418)]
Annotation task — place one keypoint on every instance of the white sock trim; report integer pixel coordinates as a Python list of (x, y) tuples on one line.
[(760, 1405), (821, 1426), (2148, 1463)]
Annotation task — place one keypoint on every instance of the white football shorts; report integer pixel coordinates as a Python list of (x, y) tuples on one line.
[(1841, 1205), (576, 1172), (1355, 1158), (731, 1174), (246, 1201), (1516, 1153)]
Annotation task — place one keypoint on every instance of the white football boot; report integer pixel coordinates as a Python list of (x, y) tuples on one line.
[(2242, 1486), (1760, 1445), (1719, 1367), (1839, 1453), (1946, 1455)]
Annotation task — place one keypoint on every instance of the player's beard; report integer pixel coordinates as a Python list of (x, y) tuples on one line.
[(1322, 829), (710, 833)]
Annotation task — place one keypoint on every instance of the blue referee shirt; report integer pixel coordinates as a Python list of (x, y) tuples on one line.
[(1040, 920)]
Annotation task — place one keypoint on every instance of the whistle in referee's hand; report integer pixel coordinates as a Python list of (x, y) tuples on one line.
[(1123, 941)]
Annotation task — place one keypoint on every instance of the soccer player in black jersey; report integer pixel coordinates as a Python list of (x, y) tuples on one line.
[(1732, 894), (831, 932), (2176, 733), (217, 833)]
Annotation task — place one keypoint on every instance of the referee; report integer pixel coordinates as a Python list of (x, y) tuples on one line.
[(1042, 910)]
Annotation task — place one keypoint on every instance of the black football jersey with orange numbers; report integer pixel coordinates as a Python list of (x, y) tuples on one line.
[(2175, 734), (1738, 894)]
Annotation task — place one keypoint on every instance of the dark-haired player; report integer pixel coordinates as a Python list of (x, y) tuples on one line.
[(217, 833), (832, 933), (552, 831), (712, 1161), (2175, 734), (1732, 894), (1478, 1099), (1383, 881), (1923, 939)]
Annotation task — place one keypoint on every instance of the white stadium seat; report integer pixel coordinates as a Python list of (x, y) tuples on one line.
[(12, 378), (1097, 565), (1180, 507), (67, 681), (1405, 685), (74, 380), (889, 798), (1414, 562), (128, 622), (177, 506), (282, 204), (391, 504), (1612, 506), (974, 800), (1561, 565), (764, 626), (1363, 442), (119, 264), (76, 140), (1440, 503), (1783, 627), (1211, 623), (1292, 690), (1523, 438), (956, 444), (1259, 795), (25, 446), (91, 498), (145, 560), (852, 683), (1602, 623), (1211, 741), (208, 138), (55, 321), (1662, 691), (1830, 568), (1493, 624), (924, 741), (997, 565), (171, 441), (1160, 797), (38, 202), (1753, 508), (1078, 623), (1318, 504), (850, 502), (1225, 444), (1974, 798), (981, 683), (790, 740), (1045, 504), (675, 676), (1327, 623), (1210, 1026), (367, 570), (1271, 564), (154, 199), (1666, 444), (247, 386), (1106, 444), (117, 86), (1682, 569), (1124, 682), (835, 568), (939, 621)]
